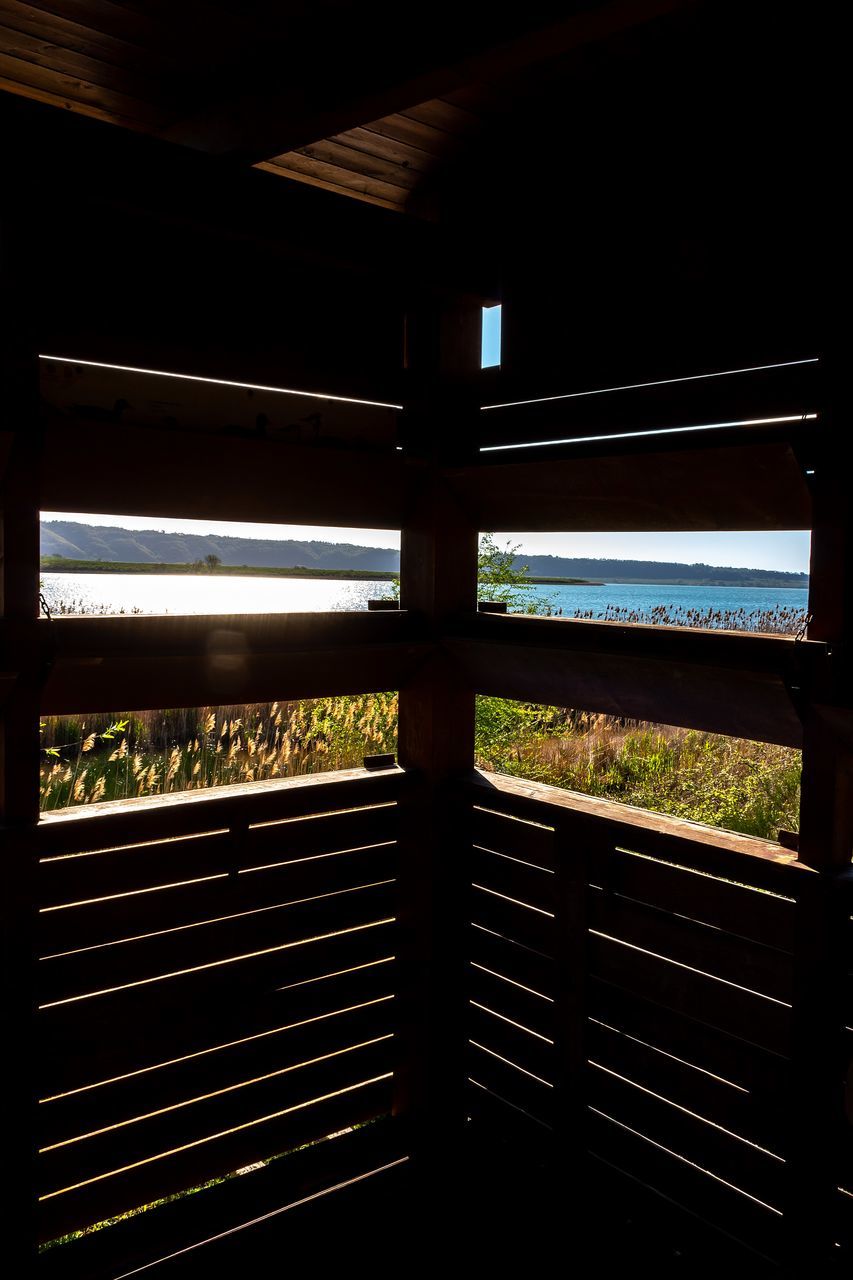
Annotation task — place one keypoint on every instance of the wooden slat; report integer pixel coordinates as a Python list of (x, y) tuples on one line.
[(371, 142), (717, 1004), (514, 921), (716, 1100), (182, 1224), (517, 963), (145, 1016), (100, 924), (744, 859), (156, 957), (765, 1076), (517, 839), (493, 1116), (493, 991), (87, 828), (251, 1096), (511, 1084), (360, 163), (684, 1185), (489, 1029), (701, 947), (140, 865), (124, 1102), (64, 87), (738, 1163), (79, 1047), (746, 913), (530, 885), (149, 1182)]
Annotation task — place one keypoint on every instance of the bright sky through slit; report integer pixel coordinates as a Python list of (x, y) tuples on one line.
[(491, 348)]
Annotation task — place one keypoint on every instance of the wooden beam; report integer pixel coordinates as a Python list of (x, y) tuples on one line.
[(111, 664), (714, 701), (89, 466), (392, 72), (748, 486), (688, 844), (19, 736)]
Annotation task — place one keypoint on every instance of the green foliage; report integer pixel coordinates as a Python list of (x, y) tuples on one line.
[(500, 579), (742, 786)]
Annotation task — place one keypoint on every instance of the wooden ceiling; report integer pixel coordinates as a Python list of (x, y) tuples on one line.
[(372, 100)]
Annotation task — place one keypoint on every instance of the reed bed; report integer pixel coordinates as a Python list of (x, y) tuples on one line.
[(149, 753), (781, 620)]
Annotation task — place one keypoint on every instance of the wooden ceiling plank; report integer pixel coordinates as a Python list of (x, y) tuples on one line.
[(359, 162), (41, 24), (120, 20), (377, 144), (63, 89), (301, 166), (411, 133), (54, 57)]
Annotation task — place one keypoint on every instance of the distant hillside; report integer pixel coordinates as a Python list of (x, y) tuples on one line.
[(659, 571), (101, 542), (77, 541)]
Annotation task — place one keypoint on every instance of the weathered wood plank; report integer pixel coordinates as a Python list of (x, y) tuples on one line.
[(742, 704), (100, 924), (160, 956), (143, 1183), (140, 866), (744, 859), (324, 486), (106, 826), (699, 946), (80, 1048), (175, 1084), (749, 486)]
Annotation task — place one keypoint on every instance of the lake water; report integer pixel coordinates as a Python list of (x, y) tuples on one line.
[(187, 593)]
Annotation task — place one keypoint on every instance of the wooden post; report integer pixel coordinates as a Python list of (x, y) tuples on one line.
[(19, 769), (575, 840), (438, 580), (825, 844)]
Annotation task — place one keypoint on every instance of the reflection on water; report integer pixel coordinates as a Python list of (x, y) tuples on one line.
[(203, 593)]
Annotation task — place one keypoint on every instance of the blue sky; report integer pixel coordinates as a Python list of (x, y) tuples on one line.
[(788, 550)]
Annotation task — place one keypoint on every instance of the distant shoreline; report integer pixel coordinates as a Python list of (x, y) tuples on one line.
[(59, 564)]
